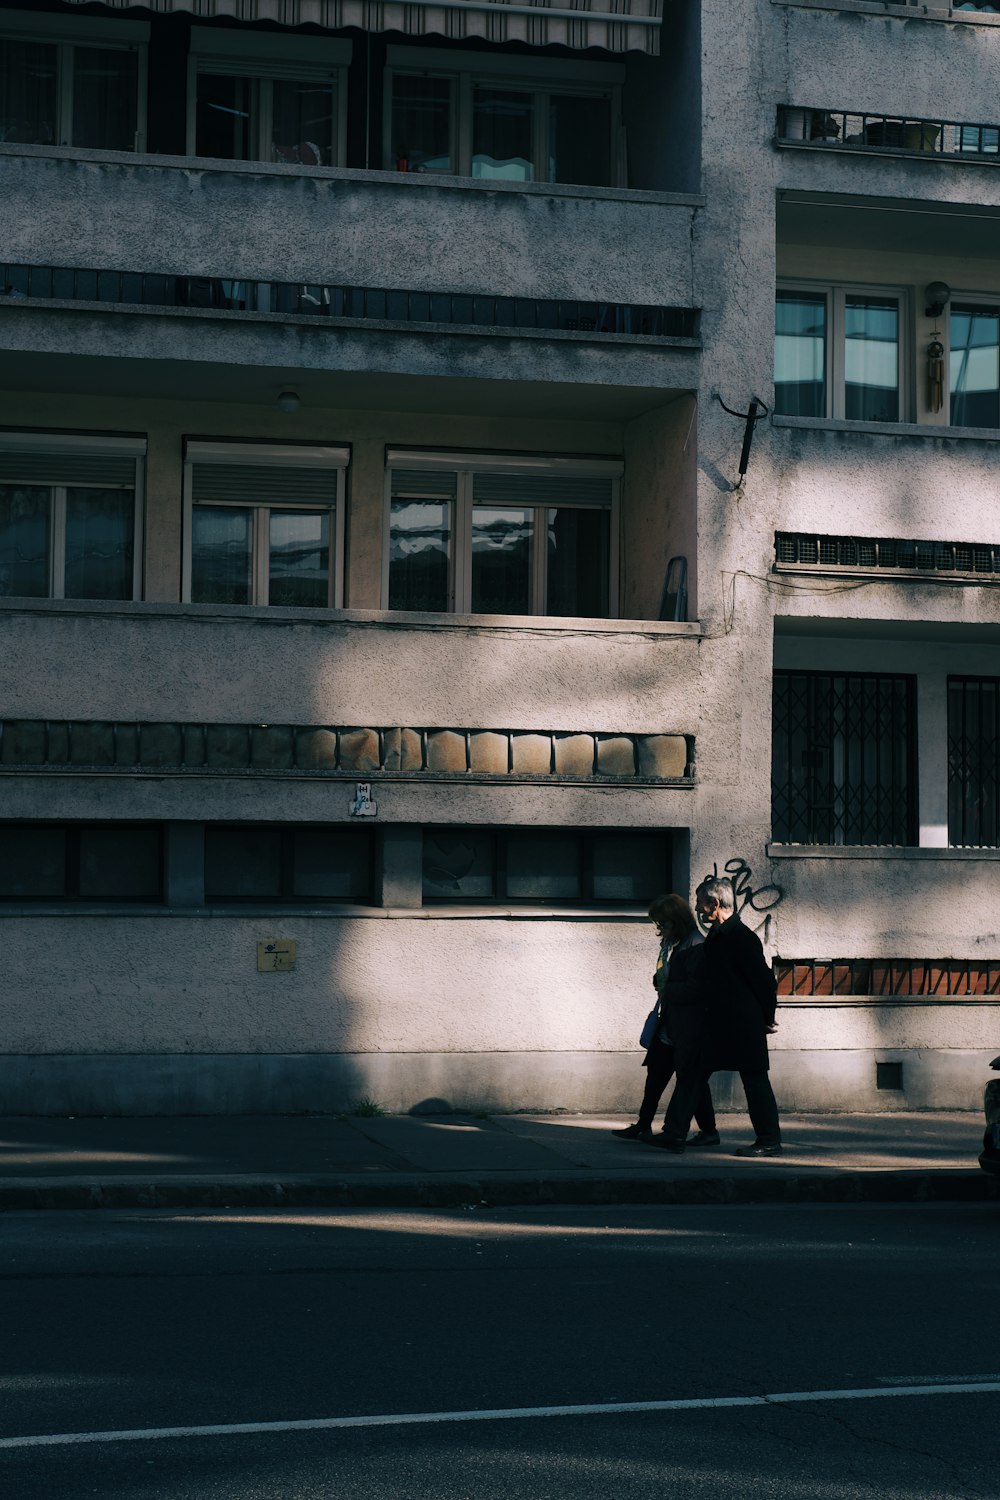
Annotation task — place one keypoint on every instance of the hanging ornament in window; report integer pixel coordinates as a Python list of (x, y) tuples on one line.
[(935, 374)]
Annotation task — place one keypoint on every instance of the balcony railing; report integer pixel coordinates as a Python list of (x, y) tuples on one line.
[(144, 290), (847, 130), (887, 557)]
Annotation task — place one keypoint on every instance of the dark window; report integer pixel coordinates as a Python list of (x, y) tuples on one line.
[(843, 758), (544, 866), (111, 862), (262, 863), (974, 761)]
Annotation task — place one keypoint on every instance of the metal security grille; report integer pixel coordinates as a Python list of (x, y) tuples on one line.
[(888, 977), (887, 556), (843, 758), (974, 761)]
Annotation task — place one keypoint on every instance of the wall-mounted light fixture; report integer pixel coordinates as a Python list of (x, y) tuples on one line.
[(288, 401), (938, 295)]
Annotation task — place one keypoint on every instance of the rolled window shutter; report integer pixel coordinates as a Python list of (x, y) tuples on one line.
[(263, 484), (104, 471), (541, 489)]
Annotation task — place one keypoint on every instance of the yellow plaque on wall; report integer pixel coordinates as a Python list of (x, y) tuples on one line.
[(276, 956)]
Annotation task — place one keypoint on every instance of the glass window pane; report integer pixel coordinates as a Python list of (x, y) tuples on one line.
[(578, 562), (502, 123), (419, 555), (975, 366), (871, 359), (121, 864), (227, 115), (24, 541), (32, 863), (99, 541), (800, 355), (28, 93), (332, 864), (458, 864), (501, 561), (543, 865), (221, 537), (105, 98), (300, 558), (629, 867), (420, 133), (580, 140), (242, 864), (303, 122)]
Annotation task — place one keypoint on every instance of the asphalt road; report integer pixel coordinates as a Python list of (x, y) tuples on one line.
[(137, 1323)]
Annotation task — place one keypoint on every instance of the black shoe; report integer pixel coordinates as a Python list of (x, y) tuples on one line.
[(704, 1138), (667, 1143), (634, 1133), (759, 1148)]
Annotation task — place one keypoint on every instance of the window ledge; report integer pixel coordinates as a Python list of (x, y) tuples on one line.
[(928, 11), (377, 618), (877, 851), (386, 178), (889, 429)]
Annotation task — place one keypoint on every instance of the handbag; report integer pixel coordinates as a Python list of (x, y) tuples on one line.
[(650, 1027)]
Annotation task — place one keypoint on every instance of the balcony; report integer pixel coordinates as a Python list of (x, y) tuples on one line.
[(887, 135)]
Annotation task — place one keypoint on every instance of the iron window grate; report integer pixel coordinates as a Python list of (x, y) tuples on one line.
[(974, 762), (930, 978), (888, 555), (359, 304), (843, 758)]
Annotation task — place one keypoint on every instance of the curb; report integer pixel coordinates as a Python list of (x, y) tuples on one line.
[(503, 1191)]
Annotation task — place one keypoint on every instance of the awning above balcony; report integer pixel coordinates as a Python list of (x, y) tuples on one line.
[(614, 25)]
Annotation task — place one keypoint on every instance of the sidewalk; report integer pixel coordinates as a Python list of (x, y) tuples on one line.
[(448, 1161)]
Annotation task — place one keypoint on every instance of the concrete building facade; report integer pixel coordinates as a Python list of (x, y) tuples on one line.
[(394, 594)]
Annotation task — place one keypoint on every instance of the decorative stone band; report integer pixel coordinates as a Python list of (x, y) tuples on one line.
[(344, 751), (888, 976)]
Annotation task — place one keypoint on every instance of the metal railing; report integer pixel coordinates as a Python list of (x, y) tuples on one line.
[(333, 300), (974, 762), (887, 976), (888, 556), (849, 130)]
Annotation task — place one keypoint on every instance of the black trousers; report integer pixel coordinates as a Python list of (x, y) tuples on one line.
[(761, 1104), (659, 1071)]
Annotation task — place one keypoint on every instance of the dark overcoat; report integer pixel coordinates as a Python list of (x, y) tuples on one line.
[(682, 1000), (740, 998)]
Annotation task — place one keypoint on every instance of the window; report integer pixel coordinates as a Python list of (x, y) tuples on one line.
[(974, 761), (70, 517), (503, 118), (72, 83), (547, 866), (267, 98), (837, 353), (261, 863), (53, 862), (265, 525), (975, 365), (843, 758), (502, 536)]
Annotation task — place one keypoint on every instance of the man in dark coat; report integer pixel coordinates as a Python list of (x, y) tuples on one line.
[(740, 999)]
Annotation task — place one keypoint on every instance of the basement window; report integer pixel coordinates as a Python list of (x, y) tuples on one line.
[(544, 866)]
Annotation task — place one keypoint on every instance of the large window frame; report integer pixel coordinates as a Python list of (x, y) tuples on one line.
[(465, 467), (65, 33), (988, 306), (26, 458), (836, 298), (261, 60), (282, 461), (467, 71)]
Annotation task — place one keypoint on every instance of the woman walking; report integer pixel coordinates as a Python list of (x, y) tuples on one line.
[(680, 1032)]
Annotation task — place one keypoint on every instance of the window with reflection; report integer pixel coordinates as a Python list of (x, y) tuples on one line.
[(266, 525), (502, 537), (838, 353), (975, 365), (69, 518), (501, 118), (62, 91)]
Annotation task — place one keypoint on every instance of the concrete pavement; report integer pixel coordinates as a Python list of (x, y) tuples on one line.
[(469, 1160)]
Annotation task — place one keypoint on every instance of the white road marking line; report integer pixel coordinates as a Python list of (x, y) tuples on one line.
[(501, 1414)]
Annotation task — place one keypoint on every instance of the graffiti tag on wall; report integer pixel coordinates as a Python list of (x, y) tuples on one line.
[(761, 898)]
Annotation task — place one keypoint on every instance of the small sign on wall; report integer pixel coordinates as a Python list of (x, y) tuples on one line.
[(276, 956)]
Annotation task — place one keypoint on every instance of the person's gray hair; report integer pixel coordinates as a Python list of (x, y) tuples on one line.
[(719, 888)]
